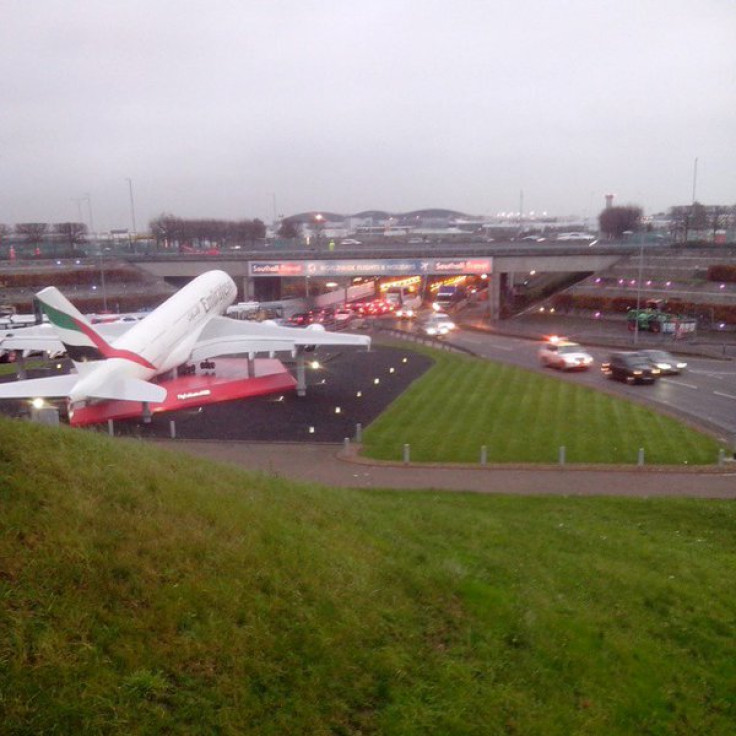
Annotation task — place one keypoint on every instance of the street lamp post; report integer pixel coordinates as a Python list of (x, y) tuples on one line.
[(319, 219), (638, 287), (99, 252), (132, 205)]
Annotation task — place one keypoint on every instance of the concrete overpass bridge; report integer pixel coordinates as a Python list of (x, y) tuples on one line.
[(256, 270)]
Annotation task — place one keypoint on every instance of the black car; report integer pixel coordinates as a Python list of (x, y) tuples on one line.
[(666, 362), (631, 368)]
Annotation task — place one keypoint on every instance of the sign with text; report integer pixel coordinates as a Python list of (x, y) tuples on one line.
[(376, 267)]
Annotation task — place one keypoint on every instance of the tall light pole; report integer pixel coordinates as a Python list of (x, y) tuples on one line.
[(695, 177), (132, 205), (99, 252), (638, 287)]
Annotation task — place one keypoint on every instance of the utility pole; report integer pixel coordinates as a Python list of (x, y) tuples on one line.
[(695, 178), (132, 205), (99, 252)]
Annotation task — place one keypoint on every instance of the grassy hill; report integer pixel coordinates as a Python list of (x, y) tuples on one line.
[(147, 592)]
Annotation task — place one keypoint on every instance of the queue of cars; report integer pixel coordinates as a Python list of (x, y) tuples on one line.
[(633, 367), (639, 366)]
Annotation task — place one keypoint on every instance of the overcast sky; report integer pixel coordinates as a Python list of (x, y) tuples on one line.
[(240, 109)]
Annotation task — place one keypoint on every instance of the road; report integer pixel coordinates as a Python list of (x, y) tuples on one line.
[(704, 393)]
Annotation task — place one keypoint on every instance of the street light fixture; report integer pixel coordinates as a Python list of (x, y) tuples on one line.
[(319, 220)]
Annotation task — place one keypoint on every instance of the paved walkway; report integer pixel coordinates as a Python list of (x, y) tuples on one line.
[(329, 465)]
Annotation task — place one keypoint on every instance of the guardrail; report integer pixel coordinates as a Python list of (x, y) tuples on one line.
[(418, 337)]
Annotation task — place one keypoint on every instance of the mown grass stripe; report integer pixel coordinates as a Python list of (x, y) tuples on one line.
[(461, 404)]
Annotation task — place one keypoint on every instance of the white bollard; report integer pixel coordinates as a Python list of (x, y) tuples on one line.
[(561, 455), (640, 458), (484, 455), (407, 454)]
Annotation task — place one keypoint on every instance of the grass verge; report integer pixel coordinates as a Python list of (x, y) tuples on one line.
[(146, 592), (463, 403)]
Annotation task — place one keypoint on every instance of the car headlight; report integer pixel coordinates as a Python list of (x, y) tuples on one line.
[(637, 373)]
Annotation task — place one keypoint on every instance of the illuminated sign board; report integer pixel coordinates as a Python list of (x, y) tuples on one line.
[(377, 267)]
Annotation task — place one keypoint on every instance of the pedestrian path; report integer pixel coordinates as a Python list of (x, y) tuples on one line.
[(330, 465)]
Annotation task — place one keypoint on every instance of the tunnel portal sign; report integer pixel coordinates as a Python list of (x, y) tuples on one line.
[(376, 267)]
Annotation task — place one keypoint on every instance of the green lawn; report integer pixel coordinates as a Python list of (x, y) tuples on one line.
[(463, 403), (147, 592)]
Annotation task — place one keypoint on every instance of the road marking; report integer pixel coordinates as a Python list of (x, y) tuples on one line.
[(679, 383), (486, 343), (725, 396), (715, 374)]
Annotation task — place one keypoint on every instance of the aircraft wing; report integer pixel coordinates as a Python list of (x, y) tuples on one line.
[(225, 336), (44, 337), (42, 388), (39, 337)]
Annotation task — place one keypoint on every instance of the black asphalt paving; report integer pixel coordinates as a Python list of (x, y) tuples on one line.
[(349, 387)]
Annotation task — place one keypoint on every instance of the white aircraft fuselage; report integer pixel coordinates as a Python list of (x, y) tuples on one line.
[(163, 339)]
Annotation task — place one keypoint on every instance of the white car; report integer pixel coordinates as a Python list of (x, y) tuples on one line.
[(405, 312), (575, 236), (343, 316), (564, 355), (437, 325)]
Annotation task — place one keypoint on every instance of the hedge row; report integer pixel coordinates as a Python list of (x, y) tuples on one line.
[(722, 272), (621, 304)]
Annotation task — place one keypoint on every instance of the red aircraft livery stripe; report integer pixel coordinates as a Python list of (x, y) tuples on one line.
[(110, 352)]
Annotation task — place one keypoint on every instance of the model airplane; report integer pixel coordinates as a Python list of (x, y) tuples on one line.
[(120, 361)]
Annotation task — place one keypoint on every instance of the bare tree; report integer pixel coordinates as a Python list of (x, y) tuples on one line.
[(615, 221), (71, 234), (167, 230), (33, 232), (288, 229)]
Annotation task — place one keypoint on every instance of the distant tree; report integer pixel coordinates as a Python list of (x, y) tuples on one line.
[(615, 221), (718, 219), (288, 230), (33, 232), (71, 234), (258, 230), (698, 216), (166, 230)]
